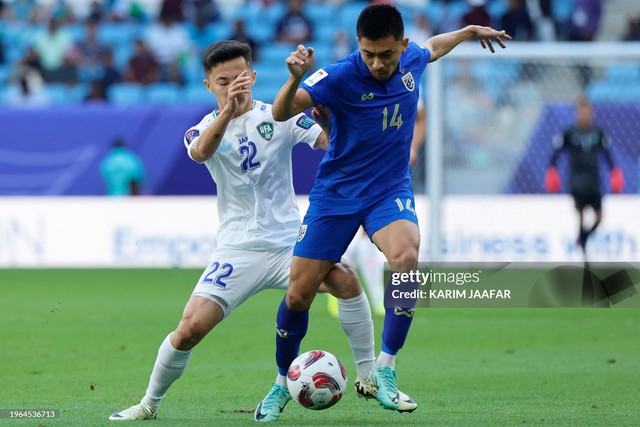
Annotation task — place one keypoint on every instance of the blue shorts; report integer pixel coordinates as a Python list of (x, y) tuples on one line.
[(332, 220)]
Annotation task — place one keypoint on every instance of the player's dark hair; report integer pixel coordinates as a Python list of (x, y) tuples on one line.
[(223, 51), (378, 21)]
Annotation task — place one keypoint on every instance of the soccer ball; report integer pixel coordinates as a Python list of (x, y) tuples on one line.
[(316, 379)]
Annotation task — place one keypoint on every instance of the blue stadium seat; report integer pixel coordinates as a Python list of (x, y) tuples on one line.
[(623, 73), (605, 91), (117, 34), (5, 73), (125, 94), (162, 93), (60, 94), (198, 94), (276, 53), (348, 15)]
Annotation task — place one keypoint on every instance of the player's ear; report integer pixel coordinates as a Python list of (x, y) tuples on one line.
[(207, 85), (405, 43), (253, 77)]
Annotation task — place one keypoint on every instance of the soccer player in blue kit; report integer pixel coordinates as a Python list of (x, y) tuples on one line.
[(363, 179)]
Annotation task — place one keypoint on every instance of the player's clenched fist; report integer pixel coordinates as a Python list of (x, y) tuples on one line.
[(300, 61)]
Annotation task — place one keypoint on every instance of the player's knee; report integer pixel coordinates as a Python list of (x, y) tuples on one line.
[(188, 334), (350, 286), (404, 257), (297, 300)]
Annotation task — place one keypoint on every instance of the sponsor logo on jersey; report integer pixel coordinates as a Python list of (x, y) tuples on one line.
[(302, 232), (366, 97), (305, 122), (265, 129), (316, 77), (191, 135), (408, 81)]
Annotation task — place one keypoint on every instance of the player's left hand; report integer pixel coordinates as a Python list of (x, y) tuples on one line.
[(487, 35), (322, 116)]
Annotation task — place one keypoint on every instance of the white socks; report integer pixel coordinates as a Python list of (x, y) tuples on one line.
[(386, 359), (169, 366), (355, 318), (281, 380)]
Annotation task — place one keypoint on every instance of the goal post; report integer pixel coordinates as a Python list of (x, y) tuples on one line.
[(491, 117)]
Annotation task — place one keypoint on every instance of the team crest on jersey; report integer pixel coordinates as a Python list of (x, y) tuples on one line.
[(408, 81), (305, 122), (302, 232), (191, 135), (265, 129)]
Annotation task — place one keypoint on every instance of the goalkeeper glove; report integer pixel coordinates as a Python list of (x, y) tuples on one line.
[(552, 180), (617, 180)]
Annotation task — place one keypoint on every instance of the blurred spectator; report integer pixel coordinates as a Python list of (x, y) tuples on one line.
[(202, 35), (122, 171), (294, 27), (341, 46), (124, 10), (448, 20), (478, 14), (240, 35), (30, 64), (28, 91), (201, 10), (96, 93), (22, 10), (171, 45), (66, 73), (52, 45), (517, 22), (420, 29), (90, 50), (633, 28), (172, 8), (143, 67), (585, 20), (110, 73), (542, 16)]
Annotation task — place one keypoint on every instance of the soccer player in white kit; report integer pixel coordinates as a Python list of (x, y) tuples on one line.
[(248, 155)]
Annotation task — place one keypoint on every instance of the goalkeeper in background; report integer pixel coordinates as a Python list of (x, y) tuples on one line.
[(584, 142)]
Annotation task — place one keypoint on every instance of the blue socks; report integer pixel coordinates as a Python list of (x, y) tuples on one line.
[(398, 316), (291, 327)]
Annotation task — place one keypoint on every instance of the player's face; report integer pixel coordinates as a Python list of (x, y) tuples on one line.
[(584, 115), (222, 75), (382, 56)]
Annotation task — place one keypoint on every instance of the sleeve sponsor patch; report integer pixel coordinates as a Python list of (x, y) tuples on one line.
[(305, 122), (316, 77), (191, 135)]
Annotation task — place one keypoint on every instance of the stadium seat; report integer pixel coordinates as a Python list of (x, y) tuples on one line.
[(197, 94), (276, 53), (60, 94), (623, 73), (605, 91), (162, 93), (125, 94), (348, 15)]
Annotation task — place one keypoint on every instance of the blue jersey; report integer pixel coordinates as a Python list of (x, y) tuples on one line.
[(372, 122)]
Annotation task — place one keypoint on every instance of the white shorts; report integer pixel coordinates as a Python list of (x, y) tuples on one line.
[(234, 275)]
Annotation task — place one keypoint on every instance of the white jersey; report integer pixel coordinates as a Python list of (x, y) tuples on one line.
[(252, 168)]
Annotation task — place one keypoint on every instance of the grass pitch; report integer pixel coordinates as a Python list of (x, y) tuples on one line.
[(84, 342)]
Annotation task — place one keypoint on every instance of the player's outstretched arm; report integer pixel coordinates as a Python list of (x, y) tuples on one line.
[(442, 44), (207, 144), (291, 100)]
